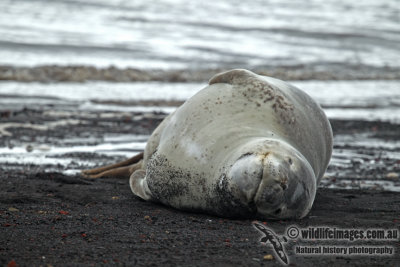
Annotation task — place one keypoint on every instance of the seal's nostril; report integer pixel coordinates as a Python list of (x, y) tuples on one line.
[(283, 185), (278, 211), (284, 182)]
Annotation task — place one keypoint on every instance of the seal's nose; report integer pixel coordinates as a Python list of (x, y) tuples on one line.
[(270, 193)]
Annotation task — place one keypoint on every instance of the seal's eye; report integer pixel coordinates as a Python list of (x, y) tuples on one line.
[(245, 155), (290, 161), (277, 211)]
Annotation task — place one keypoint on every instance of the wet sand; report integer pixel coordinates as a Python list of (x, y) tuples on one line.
[(51, 219), (82, 73)]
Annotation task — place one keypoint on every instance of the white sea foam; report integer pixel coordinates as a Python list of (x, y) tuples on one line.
[(364, 100)]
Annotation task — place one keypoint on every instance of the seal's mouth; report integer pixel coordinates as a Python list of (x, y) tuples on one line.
[(284, 200), (277, 186), (286, 188)]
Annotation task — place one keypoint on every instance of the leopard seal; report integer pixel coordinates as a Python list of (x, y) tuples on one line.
[(244, 146)]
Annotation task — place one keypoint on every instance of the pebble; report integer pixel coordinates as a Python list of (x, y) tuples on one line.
[(29, 148), (392, 175), (12, 209), (268, 257)]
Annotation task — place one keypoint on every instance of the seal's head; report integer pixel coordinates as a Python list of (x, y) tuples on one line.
[(277, 180)]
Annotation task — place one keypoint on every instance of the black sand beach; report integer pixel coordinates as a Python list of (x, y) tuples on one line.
[(51, 219), (84, 84)]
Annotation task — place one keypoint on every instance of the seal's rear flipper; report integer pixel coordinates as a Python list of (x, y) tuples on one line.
[(121, 169)]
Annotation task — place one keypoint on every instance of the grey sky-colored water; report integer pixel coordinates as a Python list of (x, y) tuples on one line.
[(200, 34)]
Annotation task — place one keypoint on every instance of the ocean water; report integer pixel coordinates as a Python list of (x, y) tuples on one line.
[(200, 34)]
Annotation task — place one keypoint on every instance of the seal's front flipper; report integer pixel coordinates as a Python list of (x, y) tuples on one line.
[(120, 169), (139, 185)]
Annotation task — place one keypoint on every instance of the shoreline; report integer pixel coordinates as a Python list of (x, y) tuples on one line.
[(63, 138)]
